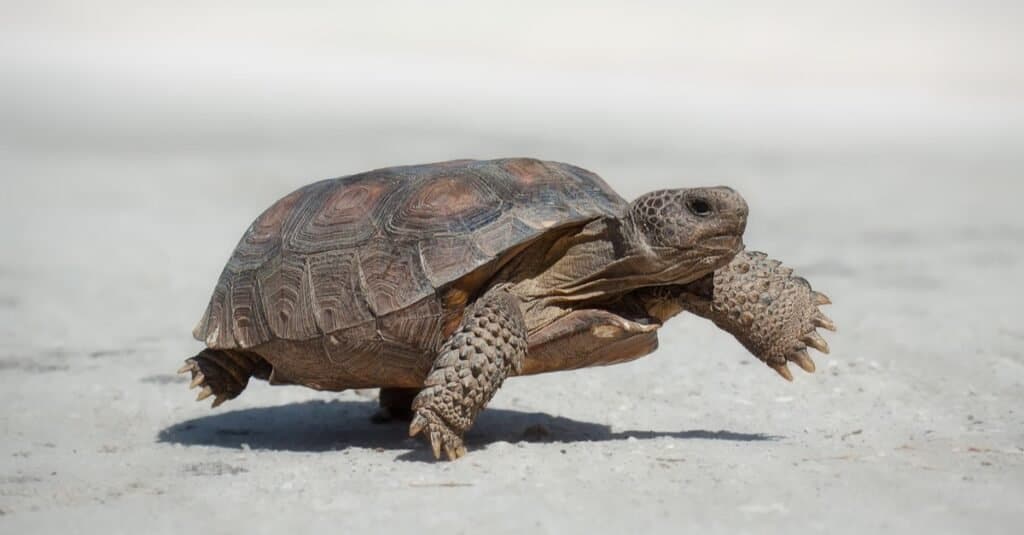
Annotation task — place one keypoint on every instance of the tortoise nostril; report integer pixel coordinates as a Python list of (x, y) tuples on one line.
[(699, 207)]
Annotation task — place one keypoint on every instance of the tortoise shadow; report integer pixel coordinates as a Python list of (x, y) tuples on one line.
[(318, 426)]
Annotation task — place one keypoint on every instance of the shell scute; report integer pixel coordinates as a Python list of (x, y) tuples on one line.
[(285, 288), (445, 258), (335, 218), (393, 276), (417, 327), (503, 234), (337, 291), (262, 240), (248, 324), (217, 330), (448, 204)]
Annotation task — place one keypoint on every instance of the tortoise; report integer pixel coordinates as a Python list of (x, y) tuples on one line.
[(437, 282)]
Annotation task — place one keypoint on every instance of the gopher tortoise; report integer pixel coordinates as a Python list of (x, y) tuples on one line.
[(437, 282)]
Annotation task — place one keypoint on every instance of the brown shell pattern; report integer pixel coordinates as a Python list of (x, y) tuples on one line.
[(368, 253)]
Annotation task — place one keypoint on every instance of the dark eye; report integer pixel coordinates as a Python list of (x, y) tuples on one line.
[(699, 207)]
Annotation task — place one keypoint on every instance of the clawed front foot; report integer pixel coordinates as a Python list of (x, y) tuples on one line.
[(806, 318), (772, 313)]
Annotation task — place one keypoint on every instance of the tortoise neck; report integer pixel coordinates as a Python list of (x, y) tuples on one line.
[(602, 260)]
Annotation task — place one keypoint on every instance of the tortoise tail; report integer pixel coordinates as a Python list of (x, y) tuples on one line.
[(224, 373)]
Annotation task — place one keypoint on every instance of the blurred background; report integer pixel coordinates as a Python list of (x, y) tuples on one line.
[(592, 77), (879, 144), (190, 117)]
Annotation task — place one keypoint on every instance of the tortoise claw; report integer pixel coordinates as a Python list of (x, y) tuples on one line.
[(802, 359), (815, 340), (204, 393), (823, 321), (435, 444), (417, 425), (783, 371)]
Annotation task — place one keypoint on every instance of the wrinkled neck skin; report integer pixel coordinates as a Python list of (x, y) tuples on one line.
[(599, 264)]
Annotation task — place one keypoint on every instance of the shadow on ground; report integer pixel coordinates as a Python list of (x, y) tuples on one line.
[(324, 426)]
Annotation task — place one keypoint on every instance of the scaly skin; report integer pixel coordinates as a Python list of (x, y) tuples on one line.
[(758, 300), (488, 346)]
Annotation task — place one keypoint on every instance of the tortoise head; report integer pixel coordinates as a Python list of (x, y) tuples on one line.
[(692, 231)]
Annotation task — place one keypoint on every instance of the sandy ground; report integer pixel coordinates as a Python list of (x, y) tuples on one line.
[(125, 189)]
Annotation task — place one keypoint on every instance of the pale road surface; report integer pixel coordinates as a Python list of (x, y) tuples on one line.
[(881, 151)]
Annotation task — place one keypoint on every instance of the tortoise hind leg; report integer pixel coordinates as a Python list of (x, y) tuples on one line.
[(224, 374), (395, 405)]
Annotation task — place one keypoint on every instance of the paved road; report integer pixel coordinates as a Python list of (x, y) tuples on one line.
[(131, 167)]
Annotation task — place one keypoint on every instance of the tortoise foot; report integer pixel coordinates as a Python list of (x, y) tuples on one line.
[(439, 433), (223, 374), (772, 312)]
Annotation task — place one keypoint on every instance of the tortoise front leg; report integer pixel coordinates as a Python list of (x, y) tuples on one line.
[(758, 300), (488, 346)]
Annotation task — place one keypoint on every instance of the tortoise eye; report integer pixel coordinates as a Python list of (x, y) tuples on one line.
[(699, 207)]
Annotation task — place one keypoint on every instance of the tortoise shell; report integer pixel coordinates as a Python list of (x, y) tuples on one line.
[(368, 256)]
